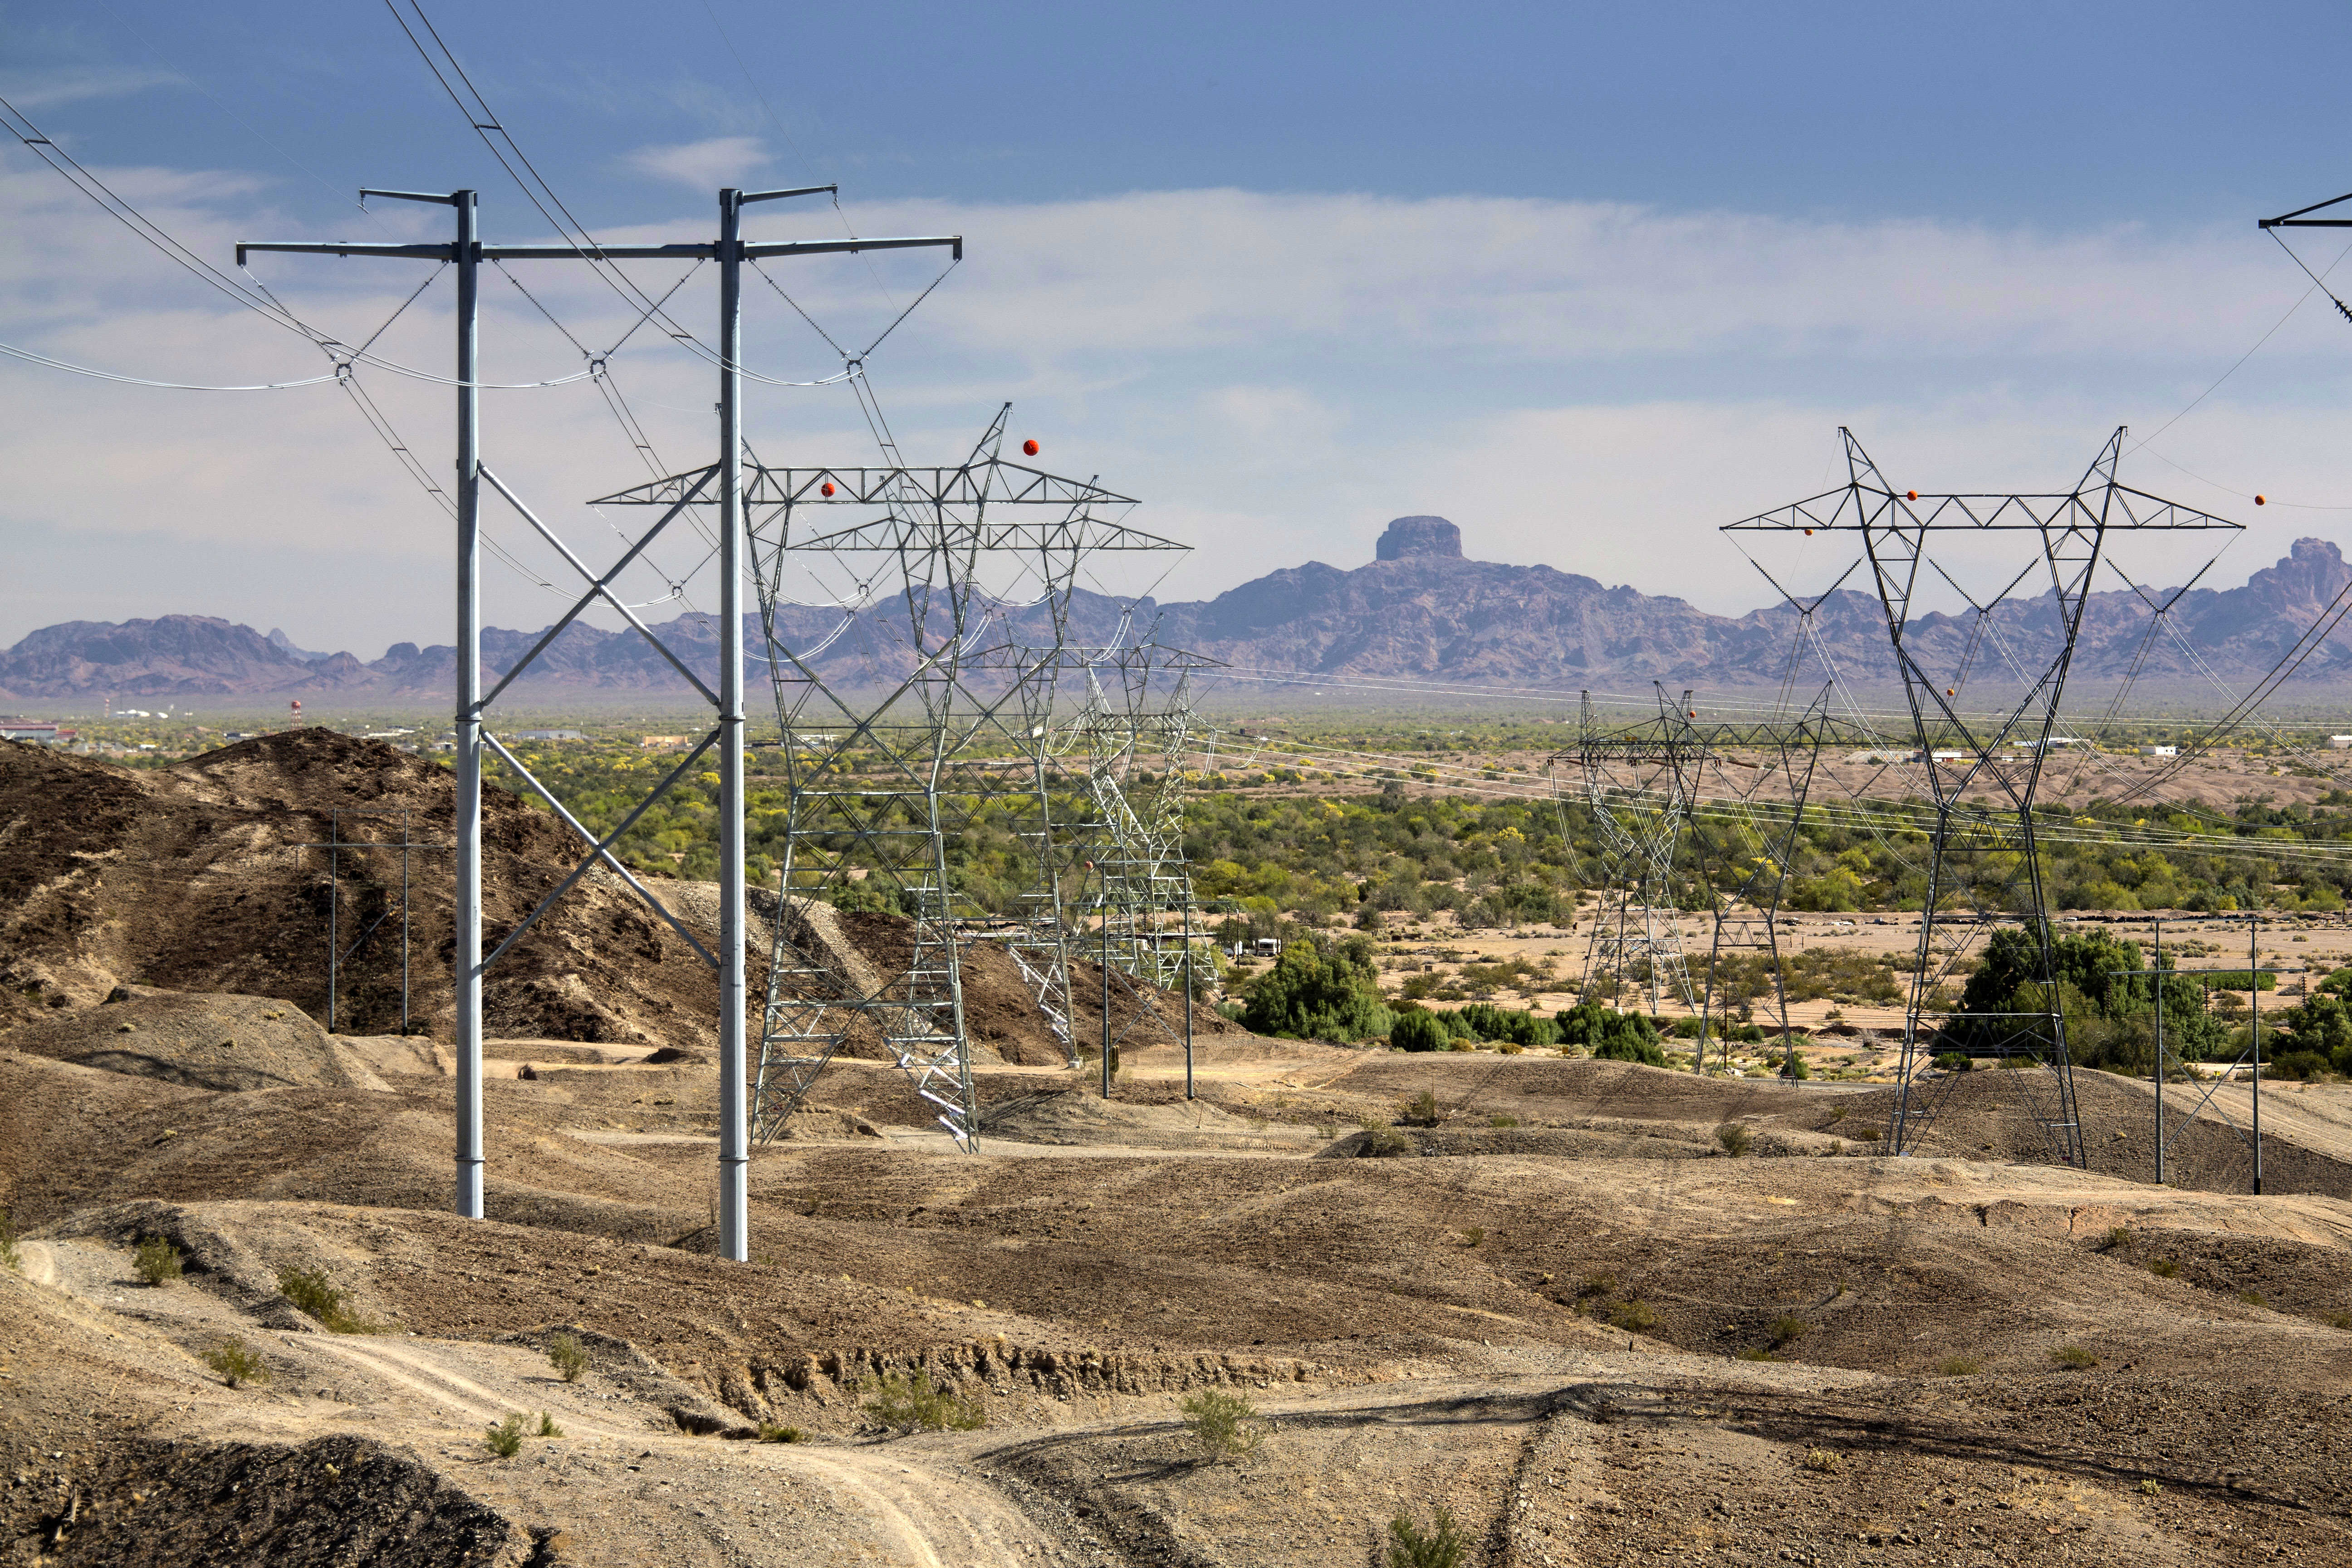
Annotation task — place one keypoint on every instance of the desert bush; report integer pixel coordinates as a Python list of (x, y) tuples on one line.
[(772, 1433), (1224, 1426), (2163, 1268), (905, 1405), (2119, 1238), (1441, 1545), (1418, 1030), (157, 1261), (504, 1440), (1822, 1461), (1419, 1111), (568, 1356), (237, 1363), (1610, 1035), (1735, 1139), (1953, 1061), (1793, 1066), (2150, 1487), (1868, 1134), (313, 1292), (1634, 1316), (1503, 1121), (547, 1427), (1473, 1235), (1838, 1113), (1957, 1366), (1787, 1329), (2074, 1358), (1757, 1353), (2252, 1298), (2336, 1320), (1385, 1143), (1601, 1284)]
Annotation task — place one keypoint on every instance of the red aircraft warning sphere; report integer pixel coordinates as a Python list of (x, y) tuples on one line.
[(2261, 502), (828, 487), (1910, 495), (1030, 447)]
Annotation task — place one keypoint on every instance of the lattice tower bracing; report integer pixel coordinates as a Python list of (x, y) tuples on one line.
[(901, 726), (1135, 779), (1981, 768), (1638, 782)]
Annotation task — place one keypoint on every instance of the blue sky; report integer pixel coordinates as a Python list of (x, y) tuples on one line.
[(1589, 280)]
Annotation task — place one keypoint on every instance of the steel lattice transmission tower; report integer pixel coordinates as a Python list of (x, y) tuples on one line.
[(1136, 838), (1640, 782), (899, 726), (1982, 762)]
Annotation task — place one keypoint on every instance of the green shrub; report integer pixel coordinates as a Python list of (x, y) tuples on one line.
[(1601, 1284), (1793, 1066), (1733, 1138), (2119, 1238), (1502, 1122), (1420, 1111), (1610, 1035), (1954, 1061), (2163, 1268), (314, 1293), (1786, 1329), (547, 1427), (1319, 992), (1634, 1316), (568, 1356), (1418, 1029), (1441, 1545), (505, 1439), (772, 1433), (2074, 1358), (1822, 1461), (1957, 1366), (1385, 1143), (237, 1363), (1474, 1236), (905, 1405), (1224, 1426), (157, 1261), (2336, 1320)]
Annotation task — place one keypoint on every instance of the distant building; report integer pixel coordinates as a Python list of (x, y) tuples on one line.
[(40, 734), (547, 735), (660, 742), (2168, 751), (2340, 743)]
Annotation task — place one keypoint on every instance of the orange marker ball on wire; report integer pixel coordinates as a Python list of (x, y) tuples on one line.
[(1029, 448), (827, 487), (1809, 533), (2260, 500), (1910, 495)]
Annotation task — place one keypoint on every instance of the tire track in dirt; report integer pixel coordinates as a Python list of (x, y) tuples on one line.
[(938, 1521)]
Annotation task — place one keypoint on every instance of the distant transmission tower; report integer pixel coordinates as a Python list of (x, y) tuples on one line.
[(899, 726), (1983, 758)]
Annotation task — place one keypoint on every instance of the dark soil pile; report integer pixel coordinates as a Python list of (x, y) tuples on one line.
[(193, 877)]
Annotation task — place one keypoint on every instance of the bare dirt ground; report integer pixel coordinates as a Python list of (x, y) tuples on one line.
[(1588, 1334), (1555, 1305)]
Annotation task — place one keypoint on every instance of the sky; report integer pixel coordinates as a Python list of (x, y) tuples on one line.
[(1591, 281)]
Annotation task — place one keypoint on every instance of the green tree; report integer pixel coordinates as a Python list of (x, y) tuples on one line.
[(1316, 992)]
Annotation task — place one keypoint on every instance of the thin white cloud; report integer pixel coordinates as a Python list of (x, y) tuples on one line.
[(76, 84), (703, 165)]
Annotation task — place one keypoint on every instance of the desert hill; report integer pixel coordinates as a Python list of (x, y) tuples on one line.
[(1421, 608)]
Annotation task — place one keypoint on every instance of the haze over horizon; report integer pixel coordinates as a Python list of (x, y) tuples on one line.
[(1589, 283)]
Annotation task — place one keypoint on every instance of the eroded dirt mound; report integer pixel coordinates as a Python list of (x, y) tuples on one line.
[(211, 1041), (193, 877)]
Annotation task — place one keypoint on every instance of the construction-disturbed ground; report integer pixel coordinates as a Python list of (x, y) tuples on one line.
[(1598, 1313)]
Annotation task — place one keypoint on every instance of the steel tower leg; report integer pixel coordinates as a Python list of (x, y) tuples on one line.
[(734, 1127), (468, 809)]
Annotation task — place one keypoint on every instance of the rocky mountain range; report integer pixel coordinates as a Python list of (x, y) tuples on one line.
[(1420, 609)]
